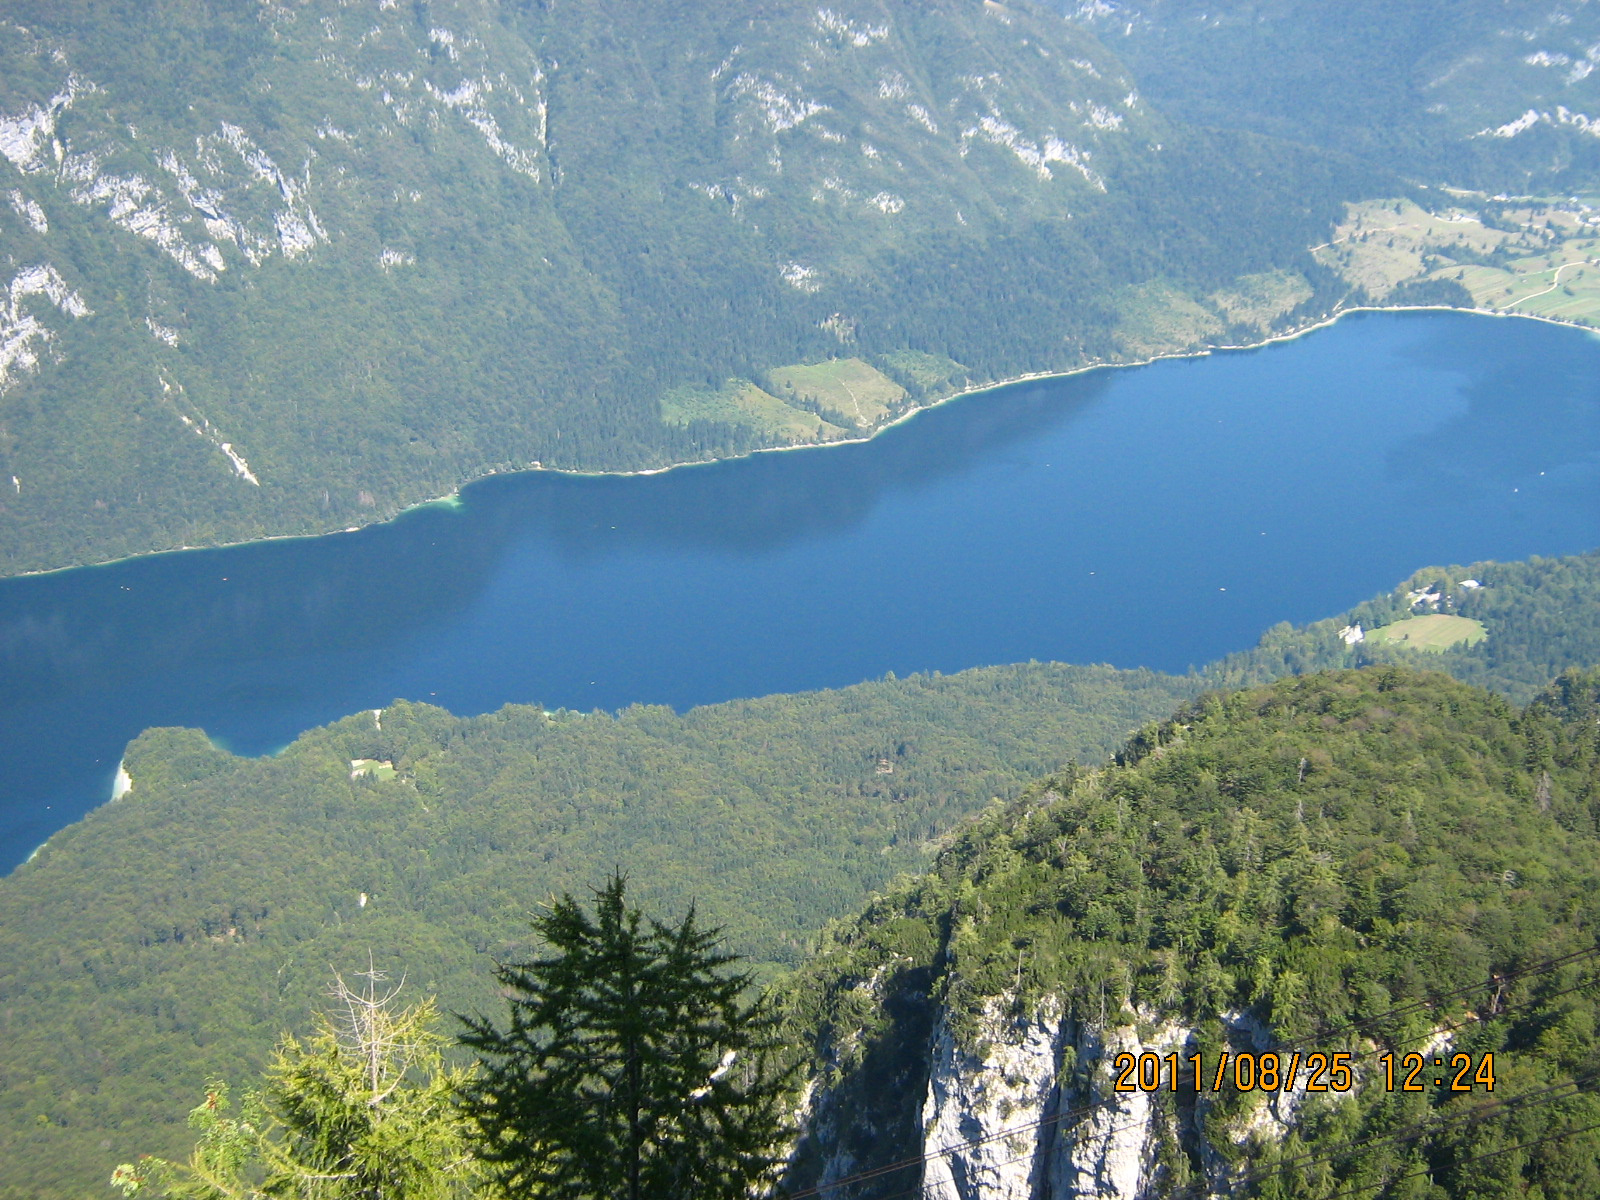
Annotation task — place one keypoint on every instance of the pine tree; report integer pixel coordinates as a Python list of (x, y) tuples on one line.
[(364, 1109), (632, 1067)]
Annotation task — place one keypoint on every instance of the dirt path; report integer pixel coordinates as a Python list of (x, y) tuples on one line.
[(1534, 295), (861, 417)]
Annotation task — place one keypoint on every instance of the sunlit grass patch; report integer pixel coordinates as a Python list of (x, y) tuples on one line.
[(372, 768), (740, 402), (1540, 259), (932, 373), (1157, 318), (845, 389), (1258, 299), (1435, 631)]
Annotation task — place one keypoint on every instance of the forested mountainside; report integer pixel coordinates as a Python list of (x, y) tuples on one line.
[(1540, 616), (1358, 862), (1486, 94), (288, 267), (176, 932), (173, 934), (1491, 108)]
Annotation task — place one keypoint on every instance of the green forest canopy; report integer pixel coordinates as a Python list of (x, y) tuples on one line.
[(1348, 856), (170, 936)]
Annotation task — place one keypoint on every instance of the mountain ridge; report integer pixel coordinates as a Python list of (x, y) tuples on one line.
[(1325, 864)]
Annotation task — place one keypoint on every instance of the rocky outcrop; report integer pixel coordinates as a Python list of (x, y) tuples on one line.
[(1021, 1105), (978, 1096), (1106, 1143), (1030, 1112)]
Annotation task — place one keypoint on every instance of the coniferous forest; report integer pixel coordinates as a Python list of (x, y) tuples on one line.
[(168, 940), (1028, 931)]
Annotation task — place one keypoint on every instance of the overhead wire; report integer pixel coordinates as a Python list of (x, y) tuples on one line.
[(1537, 968), (1542, 967), (1554, 1137), (1199, 1188)]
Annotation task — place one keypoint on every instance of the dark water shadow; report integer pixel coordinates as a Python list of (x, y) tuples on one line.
[(369, 592), (1497, 444), (770, 501)]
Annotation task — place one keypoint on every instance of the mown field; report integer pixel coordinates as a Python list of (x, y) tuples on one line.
[(740, 402), (1435, 631), (853, 389)]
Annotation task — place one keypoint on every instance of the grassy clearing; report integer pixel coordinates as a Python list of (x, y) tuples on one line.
[(1259, 299), (740, 402), (1158, 319), (1563, 284), (848, 390), (1436, 631), (1384, 243), (1548, 265), (1569, 291), (372, 768)]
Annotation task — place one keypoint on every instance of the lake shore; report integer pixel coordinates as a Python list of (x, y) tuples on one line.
[(1150, 519), (1288, 335), (453, 497)]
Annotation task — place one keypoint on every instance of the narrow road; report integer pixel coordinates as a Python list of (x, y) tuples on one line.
[(1532, 295)]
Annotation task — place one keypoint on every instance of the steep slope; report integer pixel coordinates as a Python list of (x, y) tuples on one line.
[(1356, 862), (1500, 95), (365, 251)]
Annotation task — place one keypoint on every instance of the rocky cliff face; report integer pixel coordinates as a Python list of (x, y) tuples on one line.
[(1031, 1114), (1213, 892), (1022, 1106)]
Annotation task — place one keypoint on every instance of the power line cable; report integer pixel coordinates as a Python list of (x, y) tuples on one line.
[(1521, 1102), (1540, 967), (1554, 1137)]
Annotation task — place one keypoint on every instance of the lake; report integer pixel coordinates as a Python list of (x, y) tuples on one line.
[(1157, 516)]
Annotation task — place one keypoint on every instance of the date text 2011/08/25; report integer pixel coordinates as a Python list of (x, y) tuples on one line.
[(1317, 1072)]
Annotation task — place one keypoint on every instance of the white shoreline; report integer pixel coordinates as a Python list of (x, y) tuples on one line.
[(453, 497)]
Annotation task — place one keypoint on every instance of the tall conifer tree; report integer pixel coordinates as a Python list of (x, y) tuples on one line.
[(633, 1068)]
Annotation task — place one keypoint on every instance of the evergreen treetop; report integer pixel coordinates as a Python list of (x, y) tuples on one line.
[(632, 1064)]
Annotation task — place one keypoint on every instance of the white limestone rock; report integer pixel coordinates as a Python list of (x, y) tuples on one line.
[(975, 1097), (1001, 1122), (1110, 1151), (25, 338), (29, 210)]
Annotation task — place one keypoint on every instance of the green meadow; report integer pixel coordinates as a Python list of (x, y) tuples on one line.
[(1435, 631)]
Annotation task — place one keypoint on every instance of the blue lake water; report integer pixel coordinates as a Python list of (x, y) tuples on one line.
[(1158, 516)]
